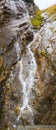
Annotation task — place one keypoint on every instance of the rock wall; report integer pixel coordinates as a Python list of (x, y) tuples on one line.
[(15, 35)]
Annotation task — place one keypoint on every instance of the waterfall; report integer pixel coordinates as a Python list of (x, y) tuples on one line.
[(26, 76), (27, 63)]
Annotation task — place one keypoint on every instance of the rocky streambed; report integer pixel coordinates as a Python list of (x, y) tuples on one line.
[(27, 68)]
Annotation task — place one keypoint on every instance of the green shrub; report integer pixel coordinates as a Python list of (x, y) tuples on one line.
[(37, 20)]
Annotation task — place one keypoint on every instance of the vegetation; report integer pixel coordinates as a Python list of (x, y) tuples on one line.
[(43, 53), (37, 20), (51, 10)]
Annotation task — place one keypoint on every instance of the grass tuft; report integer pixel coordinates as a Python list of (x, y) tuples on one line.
[(37, 20), (51, 10)]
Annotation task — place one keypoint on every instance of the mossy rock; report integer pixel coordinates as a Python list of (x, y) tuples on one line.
[(43, 53), (17, 110)]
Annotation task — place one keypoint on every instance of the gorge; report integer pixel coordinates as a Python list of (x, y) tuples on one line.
[(27, 66)]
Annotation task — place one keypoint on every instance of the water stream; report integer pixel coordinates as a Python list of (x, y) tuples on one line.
[(26, 76), (28, 64)]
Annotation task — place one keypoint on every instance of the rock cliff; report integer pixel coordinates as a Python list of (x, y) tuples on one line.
[(26, 57)]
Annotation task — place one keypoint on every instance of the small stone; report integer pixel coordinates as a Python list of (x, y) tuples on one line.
[(17, 109), (15, 95)]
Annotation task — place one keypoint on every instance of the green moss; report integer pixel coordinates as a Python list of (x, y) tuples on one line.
[(37, 20), (43, 53)]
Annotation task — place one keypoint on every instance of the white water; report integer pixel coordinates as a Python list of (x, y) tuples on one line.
[(27, 72), (28, 68), (27, 65), (26, 77)]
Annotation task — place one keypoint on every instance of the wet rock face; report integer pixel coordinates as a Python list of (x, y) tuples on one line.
[(15, 35)]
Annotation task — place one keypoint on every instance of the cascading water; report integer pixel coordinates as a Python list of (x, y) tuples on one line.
[(25, 86), (28, 64), (26, 75)]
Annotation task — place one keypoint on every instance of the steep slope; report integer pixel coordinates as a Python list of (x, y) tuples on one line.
[(51, 10), (45, 52), (27, 67), (15, 34)]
